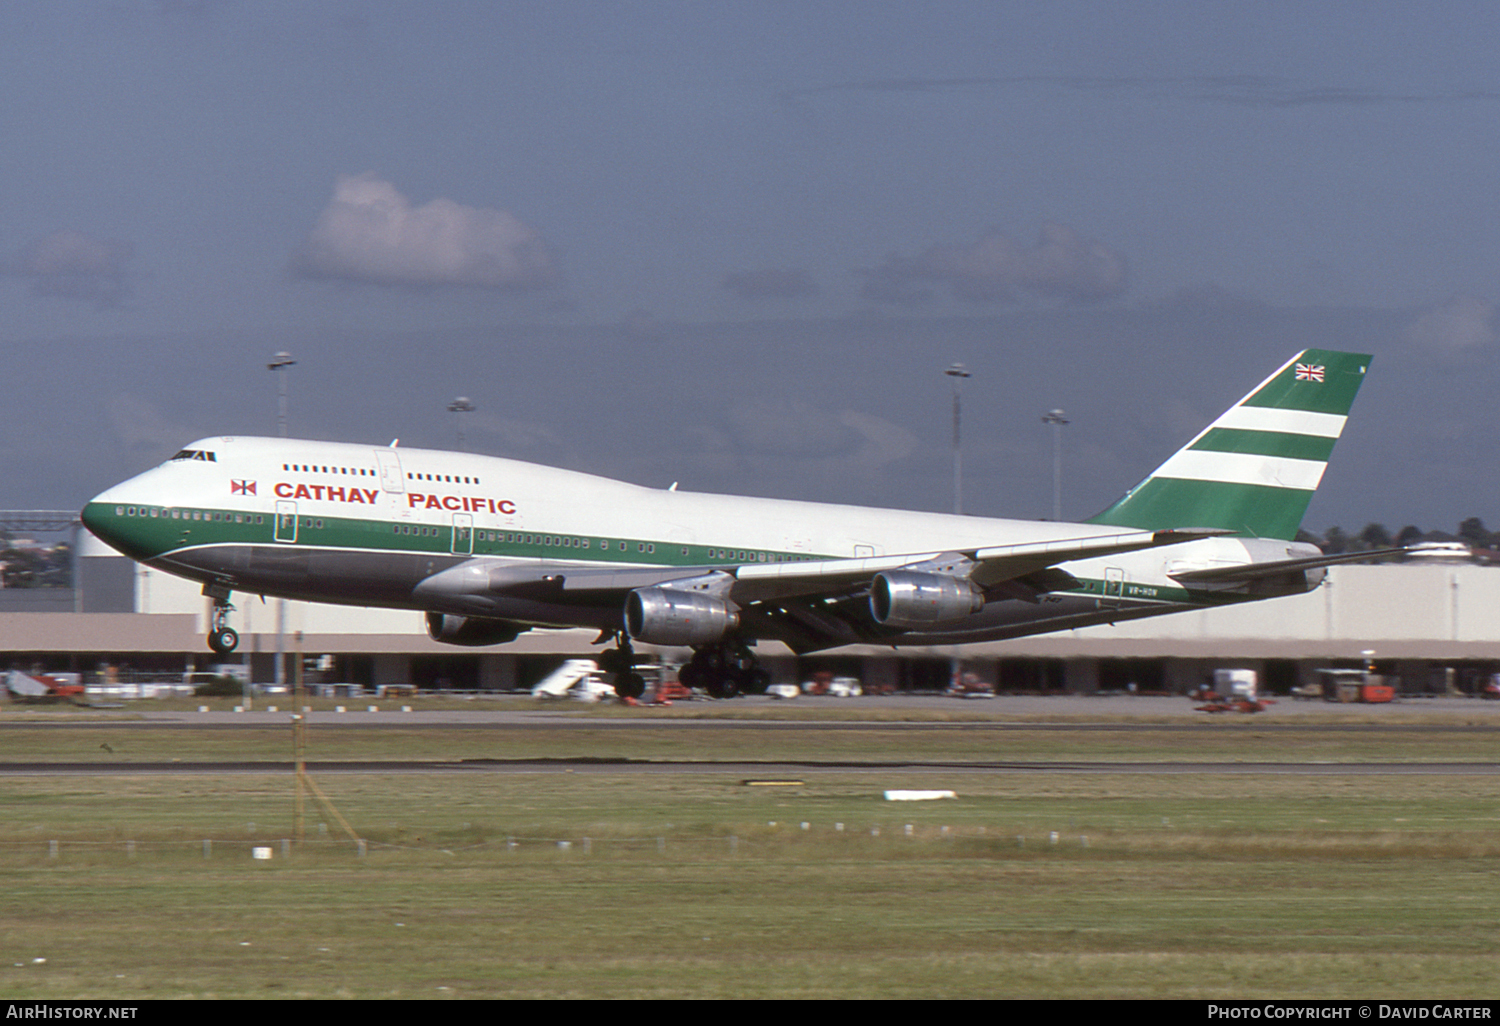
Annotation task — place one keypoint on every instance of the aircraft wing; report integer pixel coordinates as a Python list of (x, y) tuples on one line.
[(808, 605), (994, 564), (759, 582)]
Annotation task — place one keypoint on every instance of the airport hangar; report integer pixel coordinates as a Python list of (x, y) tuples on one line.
[(1433, 624)]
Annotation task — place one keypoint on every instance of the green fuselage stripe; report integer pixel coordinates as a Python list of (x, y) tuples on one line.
[(152, 531), (1145, 591)]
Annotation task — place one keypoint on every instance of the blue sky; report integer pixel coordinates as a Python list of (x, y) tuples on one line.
[(189, 185)]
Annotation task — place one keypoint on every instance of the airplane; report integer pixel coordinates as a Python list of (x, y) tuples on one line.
[(489, 548)]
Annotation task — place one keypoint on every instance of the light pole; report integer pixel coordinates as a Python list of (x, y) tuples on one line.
[(279, 363), (461, 405), (278, 366), (1057, 420), (957, 372)]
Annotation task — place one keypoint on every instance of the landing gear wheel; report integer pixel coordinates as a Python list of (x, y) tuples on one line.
[(223, 640), (619, 662), (722, 686), (725, 670), (620, 659), (691, 676), (755, 680), (630, 685)]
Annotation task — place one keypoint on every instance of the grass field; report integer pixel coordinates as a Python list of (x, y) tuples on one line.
[(692, 884)]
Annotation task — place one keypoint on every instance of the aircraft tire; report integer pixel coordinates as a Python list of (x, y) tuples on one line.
[(690, 676), (612, 660), (721, 686), (630, 685), (755, 680), (223, 641)]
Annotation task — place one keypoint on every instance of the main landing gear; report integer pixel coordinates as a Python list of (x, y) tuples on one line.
[(221, 637), (724, 670), (620, 661)]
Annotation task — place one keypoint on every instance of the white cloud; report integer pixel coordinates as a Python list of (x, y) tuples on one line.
[(791, 428), (832, 446), (72, 265), (143, 430), (771, 283), (1209, 297), (1062, 264), (1460, 323), (371, 233)]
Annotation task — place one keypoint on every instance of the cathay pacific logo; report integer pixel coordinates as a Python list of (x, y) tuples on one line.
[(1310, 372), (241, 487)]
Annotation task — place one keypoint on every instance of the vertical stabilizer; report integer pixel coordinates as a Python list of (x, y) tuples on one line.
[(1254, 469)]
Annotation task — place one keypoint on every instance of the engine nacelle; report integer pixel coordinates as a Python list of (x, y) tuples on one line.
[(674, 616), (907, 598), (471, 630)]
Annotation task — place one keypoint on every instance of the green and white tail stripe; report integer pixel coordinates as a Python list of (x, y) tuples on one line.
[(1254, 469)]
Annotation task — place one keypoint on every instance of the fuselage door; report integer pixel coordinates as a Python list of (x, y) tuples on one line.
[(392, 478), (1114, 586), (286, 520), (463, 534)]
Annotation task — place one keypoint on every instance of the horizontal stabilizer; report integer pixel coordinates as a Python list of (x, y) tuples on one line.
[(1254, 571), (1004, 562)]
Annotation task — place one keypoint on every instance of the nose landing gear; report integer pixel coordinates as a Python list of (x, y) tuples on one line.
[(223, 640), (221, 637)]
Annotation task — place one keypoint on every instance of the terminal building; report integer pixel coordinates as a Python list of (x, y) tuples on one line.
[(1433, 624)]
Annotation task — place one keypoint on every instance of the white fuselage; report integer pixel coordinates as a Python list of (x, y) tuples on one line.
[(363, 525)]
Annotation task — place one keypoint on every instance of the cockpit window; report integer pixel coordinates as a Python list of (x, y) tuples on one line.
[(194, 454)]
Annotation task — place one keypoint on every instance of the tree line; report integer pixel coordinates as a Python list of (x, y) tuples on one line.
[(29, 566), (1336, 540)]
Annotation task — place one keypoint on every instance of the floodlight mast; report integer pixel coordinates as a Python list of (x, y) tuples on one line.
[(1057, 419), (280, 362), (278, 365), (461, 405), (957, 372)]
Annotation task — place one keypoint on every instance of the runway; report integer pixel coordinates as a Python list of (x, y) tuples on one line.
[(1107, 714), (759, 770), (1030, 712)]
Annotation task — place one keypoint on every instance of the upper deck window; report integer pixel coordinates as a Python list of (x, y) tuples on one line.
[(195, 454)]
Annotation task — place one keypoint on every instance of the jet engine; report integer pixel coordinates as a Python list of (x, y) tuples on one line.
[(907, 598), (673, 616), (471, 630)]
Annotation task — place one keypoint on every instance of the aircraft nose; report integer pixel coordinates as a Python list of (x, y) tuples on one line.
[(115, 521), (100, 518), (92, 518)]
